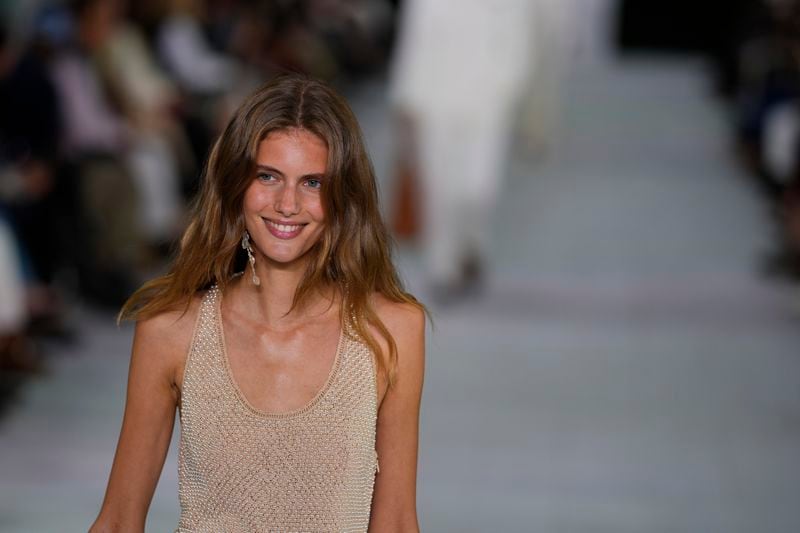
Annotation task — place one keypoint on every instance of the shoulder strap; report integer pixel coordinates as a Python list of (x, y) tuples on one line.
[(205, 325)]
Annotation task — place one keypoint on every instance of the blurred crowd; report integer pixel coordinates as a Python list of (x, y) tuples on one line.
[(107, 109), (764, 86), (754, 49)]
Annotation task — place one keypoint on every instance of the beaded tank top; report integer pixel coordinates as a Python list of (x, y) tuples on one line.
[(243, 470)]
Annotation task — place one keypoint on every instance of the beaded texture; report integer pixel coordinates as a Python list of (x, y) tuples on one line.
[(243, 470)]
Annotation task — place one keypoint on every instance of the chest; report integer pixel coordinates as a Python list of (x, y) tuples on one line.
[(281, 371), (274, 372)]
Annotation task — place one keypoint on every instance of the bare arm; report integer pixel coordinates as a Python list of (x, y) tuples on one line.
[(394, 502), (150, 405)]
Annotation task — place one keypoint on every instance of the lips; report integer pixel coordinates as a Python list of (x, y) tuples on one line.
[(283, 231)]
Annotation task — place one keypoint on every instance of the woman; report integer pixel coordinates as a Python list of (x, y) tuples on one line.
[(298, 382)]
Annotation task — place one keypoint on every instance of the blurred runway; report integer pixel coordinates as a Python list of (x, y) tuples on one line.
[(628, 370)]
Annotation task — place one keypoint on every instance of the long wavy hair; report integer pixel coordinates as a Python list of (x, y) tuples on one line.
[(354, 252)]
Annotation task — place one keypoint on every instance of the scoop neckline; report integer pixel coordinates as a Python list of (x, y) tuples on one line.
[(238, 391)]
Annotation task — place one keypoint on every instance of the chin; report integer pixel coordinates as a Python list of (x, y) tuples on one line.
[(285, 259)]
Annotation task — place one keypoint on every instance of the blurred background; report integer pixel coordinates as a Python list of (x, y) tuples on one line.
[(599, 200)]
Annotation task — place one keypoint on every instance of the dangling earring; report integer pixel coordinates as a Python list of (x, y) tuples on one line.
[(250, 257)]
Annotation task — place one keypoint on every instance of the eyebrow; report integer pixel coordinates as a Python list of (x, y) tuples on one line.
[(274, 170)]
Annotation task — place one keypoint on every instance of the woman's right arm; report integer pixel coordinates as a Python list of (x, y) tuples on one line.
[(159, 344)]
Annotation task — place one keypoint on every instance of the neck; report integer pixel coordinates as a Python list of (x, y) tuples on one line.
[(272, 300)]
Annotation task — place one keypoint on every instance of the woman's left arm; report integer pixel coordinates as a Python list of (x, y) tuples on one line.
[(394, 501)]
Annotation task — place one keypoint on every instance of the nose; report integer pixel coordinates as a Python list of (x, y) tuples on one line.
[(287, 203)]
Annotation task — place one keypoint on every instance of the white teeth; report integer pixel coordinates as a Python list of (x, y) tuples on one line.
[(284, 227)]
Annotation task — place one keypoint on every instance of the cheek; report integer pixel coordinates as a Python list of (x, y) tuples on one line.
[(249, 196), (255, 198), (316, 209)]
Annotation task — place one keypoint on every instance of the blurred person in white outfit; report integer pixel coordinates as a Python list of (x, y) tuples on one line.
[(566, 36), (552, 45), (459, 72)]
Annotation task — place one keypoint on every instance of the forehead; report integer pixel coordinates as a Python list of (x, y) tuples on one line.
[(293, 149)]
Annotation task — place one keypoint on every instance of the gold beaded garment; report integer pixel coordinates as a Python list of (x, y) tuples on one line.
[(243, 470)]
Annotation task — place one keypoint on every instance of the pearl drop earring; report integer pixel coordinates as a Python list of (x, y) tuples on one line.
[(250, 257)]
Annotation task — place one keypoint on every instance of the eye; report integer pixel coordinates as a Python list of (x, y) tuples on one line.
[(314, 183), (263, 176)]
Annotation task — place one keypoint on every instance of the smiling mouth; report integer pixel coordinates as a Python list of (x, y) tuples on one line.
[(283, 231)]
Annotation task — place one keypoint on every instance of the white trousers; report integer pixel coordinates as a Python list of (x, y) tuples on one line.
[(462, 162)]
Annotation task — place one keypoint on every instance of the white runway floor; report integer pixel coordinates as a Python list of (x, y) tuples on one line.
[(629, 369)]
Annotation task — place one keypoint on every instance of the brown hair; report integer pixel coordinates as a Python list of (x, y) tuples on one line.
[(354, 251)]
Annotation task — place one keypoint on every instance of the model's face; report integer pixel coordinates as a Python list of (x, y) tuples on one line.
[(283, 206)]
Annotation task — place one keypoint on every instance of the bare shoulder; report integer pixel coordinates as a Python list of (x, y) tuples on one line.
[(403, 320), (406, 325), (164, 339), (170, 327)]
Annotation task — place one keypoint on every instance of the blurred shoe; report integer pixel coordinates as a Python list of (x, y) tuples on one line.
[(468, 286), (472, 274)]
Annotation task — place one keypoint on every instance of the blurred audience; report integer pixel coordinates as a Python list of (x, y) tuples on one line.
[(107, 110), (95, 144), (754, 47), (16, 351), (148, 101), (30, 205), (767, 103), (185, 49)]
